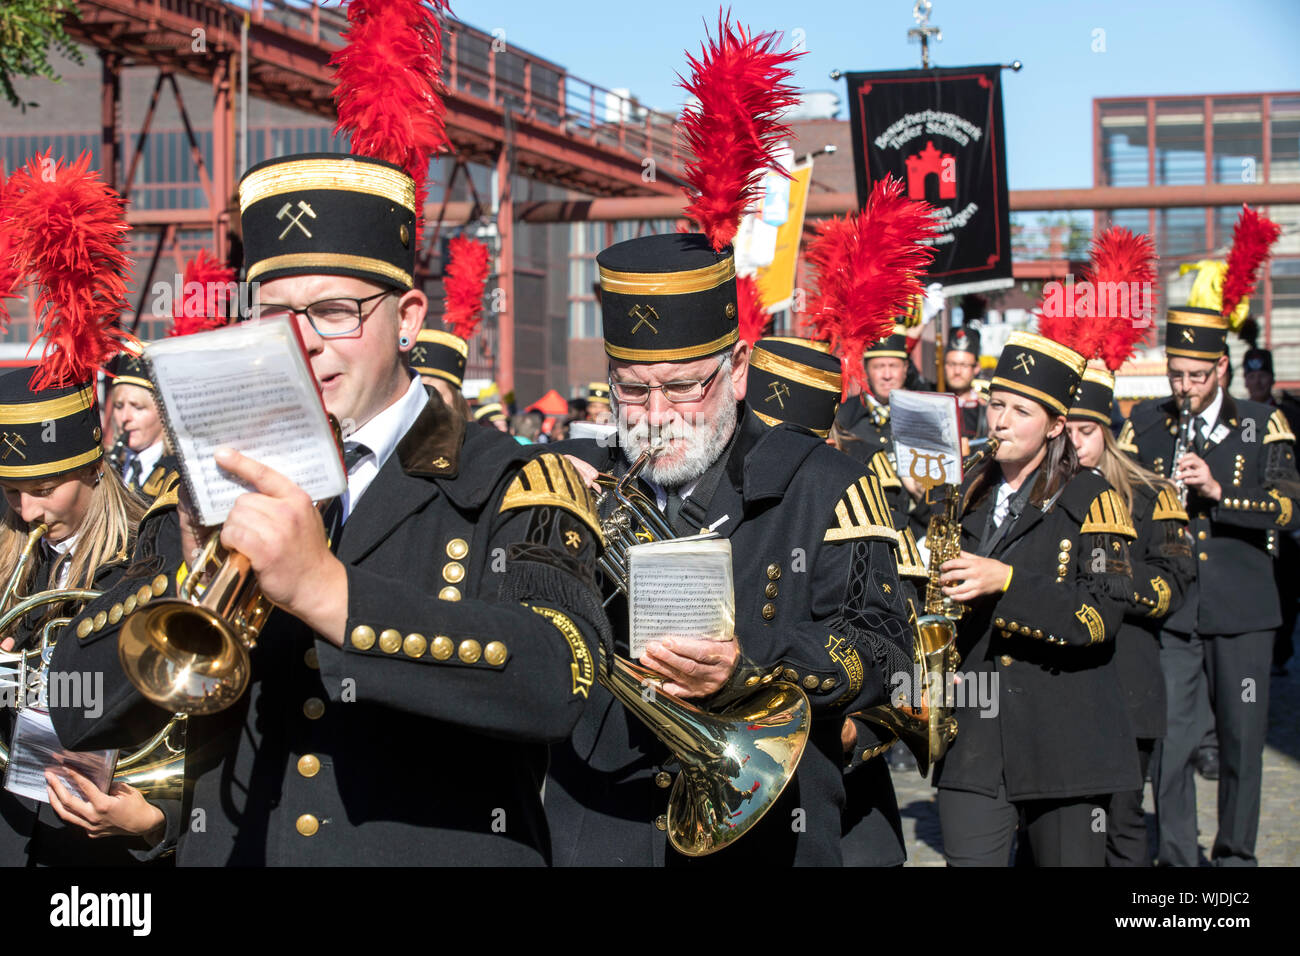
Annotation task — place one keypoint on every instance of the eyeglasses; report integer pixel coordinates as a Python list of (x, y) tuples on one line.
[(688, 390), (330, 318), (1196, 378)]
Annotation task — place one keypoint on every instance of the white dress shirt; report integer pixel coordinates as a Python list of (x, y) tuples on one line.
[(381, 435), (148, 461), (1207, 419)]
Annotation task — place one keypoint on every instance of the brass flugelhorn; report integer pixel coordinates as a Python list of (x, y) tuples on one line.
[(736, 762)]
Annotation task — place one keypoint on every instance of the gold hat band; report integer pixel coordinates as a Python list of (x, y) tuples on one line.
[(306, 261), (1068, 357), (1194, 354), (1099, 376), (1077, 412), (41, 470), (769, 420), (133, 380), (34, 413), (668, 283), (806, 343), (1029, 392), (1179, 317), (794, 371), (440, 337), (438, 373), (344, 173), (673, 355)]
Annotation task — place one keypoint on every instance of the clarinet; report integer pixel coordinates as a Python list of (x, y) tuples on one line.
[(117, 454), (1181, 446)]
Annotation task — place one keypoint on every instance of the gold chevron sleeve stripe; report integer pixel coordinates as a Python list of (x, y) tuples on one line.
[(861, 512), (1127, 440), (550, 481), (1168, 507), (170, 495), (1279, 429), (1107, 515), (909, 556), (884, 471)]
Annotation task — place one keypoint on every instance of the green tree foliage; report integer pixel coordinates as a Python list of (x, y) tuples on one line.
[(28, 28)]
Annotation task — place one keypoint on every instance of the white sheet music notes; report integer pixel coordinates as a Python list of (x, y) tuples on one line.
[(247, 387), (680, 588), (927, 439)]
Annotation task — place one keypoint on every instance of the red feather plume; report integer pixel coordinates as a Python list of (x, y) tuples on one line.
[(467, 275), (1251, 239), (1114, 306), (66, 230), (388, 85), (754, 319), (740, 85), (869, 267), (207, 308)]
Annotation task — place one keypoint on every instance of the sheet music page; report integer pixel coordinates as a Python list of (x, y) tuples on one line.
[(36, 748), (927, 439), (680, 588), (246, 387)]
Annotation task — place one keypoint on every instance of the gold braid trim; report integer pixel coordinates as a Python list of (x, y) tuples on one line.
[(1107, 515), (551, 481)]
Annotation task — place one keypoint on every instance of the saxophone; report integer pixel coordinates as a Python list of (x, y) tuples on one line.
[(927, 727)]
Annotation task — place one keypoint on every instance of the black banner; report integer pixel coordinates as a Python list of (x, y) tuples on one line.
[(940, 132)]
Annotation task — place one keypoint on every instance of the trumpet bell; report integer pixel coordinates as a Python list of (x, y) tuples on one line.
[(746, 755), (184, 657)]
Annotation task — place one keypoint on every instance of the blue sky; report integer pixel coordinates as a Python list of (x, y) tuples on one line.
[(1144, 47)]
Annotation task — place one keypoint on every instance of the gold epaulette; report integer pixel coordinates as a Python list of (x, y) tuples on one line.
[(169, 494), (1168, 507), (1279, 429), (910, 564), (862, 512), (154, 483), (1107, 515), (551, 481), (884, 471), (1125, 440)]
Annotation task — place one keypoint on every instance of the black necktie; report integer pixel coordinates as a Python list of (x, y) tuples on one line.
[(1202, 426), (133, 476), (353, 452), (673, 510)]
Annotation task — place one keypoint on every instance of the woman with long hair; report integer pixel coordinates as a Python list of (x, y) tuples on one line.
[(1042, 730), (1163, 567)]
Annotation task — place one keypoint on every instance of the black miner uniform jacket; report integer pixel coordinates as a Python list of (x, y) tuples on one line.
[(1163, 568), (32, 832), (817, 599), (1045, 649), (1250, 453), (423, 739)]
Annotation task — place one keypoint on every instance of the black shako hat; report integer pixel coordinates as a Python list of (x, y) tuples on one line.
[(1036, 367), (1096, 392), (794, 380), (667, 298), (964, 339), (328, 214), (893, 345), (1197, 333), (129, 369), (47, 433), (439, 354)]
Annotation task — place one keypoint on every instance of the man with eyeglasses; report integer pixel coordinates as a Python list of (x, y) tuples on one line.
[(961, 363), (435, 629), (1242, 491), (816, 588)]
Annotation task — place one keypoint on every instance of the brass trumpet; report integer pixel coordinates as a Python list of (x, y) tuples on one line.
[(735, 763)]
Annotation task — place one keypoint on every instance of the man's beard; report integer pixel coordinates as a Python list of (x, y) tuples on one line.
[(697, 447)]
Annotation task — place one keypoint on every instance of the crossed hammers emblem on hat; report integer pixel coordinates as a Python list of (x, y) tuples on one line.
[(1024, 362), (306, 210), (780, 391), (643, 314), (11, 442)]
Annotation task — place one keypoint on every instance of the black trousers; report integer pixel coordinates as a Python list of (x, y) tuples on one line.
[(980, 830), (1126, 828), (1234, 670)]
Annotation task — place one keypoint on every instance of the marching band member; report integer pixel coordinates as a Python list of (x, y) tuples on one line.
[(445, 633), (438, 357), (54, 473), (961, 363), (1051, 738), (146, 458)]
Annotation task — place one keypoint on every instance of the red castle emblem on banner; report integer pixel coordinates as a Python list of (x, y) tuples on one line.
[(927, 161)]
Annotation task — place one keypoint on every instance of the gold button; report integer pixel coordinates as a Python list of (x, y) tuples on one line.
[(313, 708), (1038, 634), (115, 614), (790, 674), (749, 681), (449, 594), (457, 548), (774, 572), (810, 682), (663, 780), (159, 585), (771, 590), (414, 645), (100, 620), (389, 640), (309, 765), (661, 822), (1066, 544), (129, 604), (1061, 570), (495, 653), (828, 684), (469, 651), (1006, 660), (307, 825), (1063, 557), (441, 648), (85, 627), (310, 659), (1000, 622), (453, 572), (1025, 629), (363, 637), (767, 678), (143, 596), (769, 611), (1200, 536), (1203, 556)]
